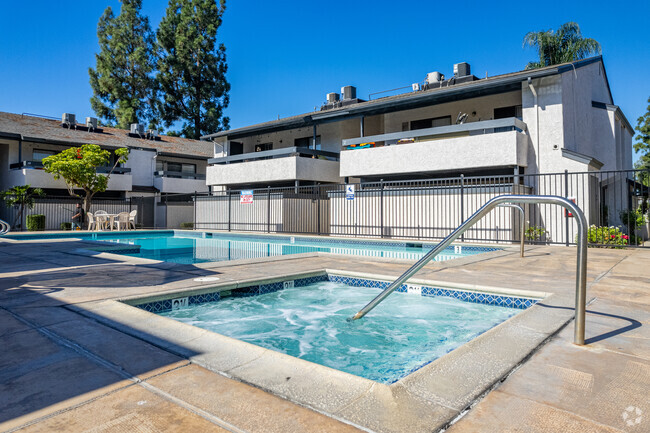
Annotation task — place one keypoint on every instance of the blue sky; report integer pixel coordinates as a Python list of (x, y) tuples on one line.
[(285, 56)]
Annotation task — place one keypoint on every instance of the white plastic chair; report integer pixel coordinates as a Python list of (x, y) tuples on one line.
[(132, 216), (91, 221), (122, 221)]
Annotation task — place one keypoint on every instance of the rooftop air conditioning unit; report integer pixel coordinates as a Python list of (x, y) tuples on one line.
[(461, 69), (137, 128), (349, 92), (91, 122), (68, 119), (332, 97), (434, 77), (152, 133)]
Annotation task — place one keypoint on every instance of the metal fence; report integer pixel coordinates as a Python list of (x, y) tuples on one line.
[(432, 208), (58, 210)]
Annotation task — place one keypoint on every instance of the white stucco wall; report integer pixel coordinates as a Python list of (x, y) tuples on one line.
[(274, 170), (488, 150), (174, 185)]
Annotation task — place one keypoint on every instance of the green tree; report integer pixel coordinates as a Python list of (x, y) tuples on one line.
[(642, 145), (192, 67), (21, 197), (566, 44), (123, 82), (78, 168)]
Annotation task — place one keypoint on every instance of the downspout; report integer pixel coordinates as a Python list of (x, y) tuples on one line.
[(534, 92), (20, 148)]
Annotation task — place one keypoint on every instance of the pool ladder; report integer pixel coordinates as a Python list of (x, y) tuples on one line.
[(4, 227), (511, 201)]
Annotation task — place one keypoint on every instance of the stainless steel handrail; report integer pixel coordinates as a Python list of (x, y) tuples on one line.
[(4, 227), (522, 224), (581, 267)]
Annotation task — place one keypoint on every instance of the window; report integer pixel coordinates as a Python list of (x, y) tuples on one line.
[(264, 146), (159, 165), (307, 142), (176, 167), (506, 112), (430, 123), (188, 169), (38, 155)]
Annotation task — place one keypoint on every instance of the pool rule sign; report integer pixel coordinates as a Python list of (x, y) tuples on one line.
[(349, 192), (246, 196)]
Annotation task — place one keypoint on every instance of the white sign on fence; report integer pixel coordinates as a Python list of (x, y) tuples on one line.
[(349, 192), (246, 196)]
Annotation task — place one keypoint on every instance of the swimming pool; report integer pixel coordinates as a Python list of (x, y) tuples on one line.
[(306, 318), (188, 247)]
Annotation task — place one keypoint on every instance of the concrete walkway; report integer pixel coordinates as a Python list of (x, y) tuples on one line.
[(62, 371)]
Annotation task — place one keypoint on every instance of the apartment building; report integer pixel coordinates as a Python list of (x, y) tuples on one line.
[(156, 164), (545, 120)]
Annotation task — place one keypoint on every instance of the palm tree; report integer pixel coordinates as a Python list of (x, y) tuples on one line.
[(22, 198), (561, 46)]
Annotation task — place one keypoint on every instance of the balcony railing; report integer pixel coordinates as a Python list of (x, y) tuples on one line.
[(276, 153), (179, 175), (38, 165), (472, 128)]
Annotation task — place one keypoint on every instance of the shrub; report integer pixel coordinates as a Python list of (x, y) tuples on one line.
[(66, 226), (534, 233), (189, 226), (607, 237), (635, 219), (35, 223)]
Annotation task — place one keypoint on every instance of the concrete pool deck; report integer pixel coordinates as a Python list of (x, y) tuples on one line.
[(64, 370)]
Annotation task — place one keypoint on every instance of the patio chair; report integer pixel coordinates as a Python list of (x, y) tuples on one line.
[(122, 221), (91, 221), (132, 216), (101, 220)]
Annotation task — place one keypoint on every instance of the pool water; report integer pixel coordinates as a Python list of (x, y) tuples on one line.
[(182, 248), (402, 334)]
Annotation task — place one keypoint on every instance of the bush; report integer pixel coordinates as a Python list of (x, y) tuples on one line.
[(189, 226), (607, 237), (635, 219), (66, 226), (534, 233), (35, 223)]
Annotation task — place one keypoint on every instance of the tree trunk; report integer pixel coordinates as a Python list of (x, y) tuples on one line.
[(18, 215)]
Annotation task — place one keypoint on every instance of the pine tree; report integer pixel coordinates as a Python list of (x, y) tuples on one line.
[(123, 83), (192, 67)]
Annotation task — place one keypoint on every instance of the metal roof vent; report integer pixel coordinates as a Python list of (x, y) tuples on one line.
[(462, 69), (152, 134), (137, 129), (69, 119), (332, 97), (349, 92), (91, 123), (434, 77)]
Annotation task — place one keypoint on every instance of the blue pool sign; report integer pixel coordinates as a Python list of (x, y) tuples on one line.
[(246, 196), (349, 192)]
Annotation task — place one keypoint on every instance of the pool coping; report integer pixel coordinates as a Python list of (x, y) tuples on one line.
[(426, 400)]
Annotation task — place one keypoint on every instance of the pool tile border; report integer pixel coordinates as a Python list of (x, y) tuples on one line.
[(517, 302)]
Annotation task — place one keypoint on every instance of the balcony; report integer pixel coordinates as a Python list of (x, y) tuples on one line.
[(32, 173), (179, 182), (476, 145), (272, 166)]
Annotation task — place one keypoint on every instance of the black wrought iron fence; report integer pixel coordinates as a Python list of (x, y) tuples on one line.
[(615, 204)]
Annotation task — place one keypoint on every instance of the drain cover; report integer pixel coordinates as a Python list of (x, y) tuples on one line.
[(206, 279)]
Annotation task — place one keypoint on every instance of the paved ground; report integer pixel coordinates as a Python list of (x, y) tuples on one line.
[(61, 371)]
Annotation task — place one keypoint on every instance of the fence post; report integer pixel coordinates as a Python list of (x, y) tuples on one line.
[(318, 191), (268, 209), (194, 223), (566, 213), (462, 203), (381, 206), (229, 206)]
